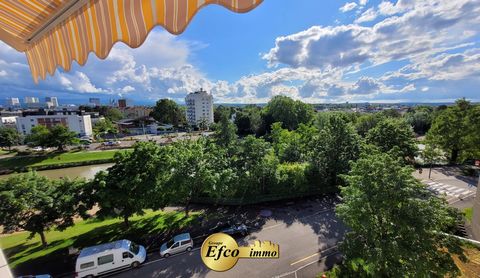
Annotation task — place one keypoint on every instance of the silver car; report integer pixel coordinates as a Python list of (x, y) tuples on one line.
[(179, 243)]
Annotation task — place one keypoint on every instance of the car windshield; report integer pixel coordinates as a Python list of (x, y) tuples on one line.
[(134, 248), (170, 243)]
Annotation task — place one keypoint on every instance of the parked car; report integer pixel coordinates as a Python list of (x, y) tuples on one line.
[(178, 244), (111, 143), (40, 149), (104, 258), (230, 229)]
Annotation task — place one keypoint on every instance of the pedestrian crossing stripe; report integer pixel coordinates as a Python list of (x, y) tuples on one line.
[(449, 190)]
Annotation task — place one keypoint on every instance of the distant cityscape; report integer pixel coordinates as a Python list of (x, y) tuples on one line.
[(31, 111)]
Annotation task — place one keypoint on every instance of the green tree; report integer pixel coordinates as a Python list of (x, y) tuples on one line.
[(431, 155), (39, 136), (394, 223), (167, 111), (60, 136), (366, 122), (226, 131), (113, 114), (134, 183), (36, 204), (450, 129), (220, 110), (420, 119), (193, 172), (104, 127), (333, 148), (286, 144), (393, 135), (472, 139), (255, 164), (249, 120), (287, 111), (9, 137)]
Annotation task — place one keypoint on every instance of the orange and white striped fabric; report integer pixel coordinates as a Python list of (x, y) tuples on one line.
[(94, 26)]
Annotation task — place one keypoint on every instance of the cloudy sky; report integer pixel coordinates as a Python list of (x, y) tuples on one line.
[(316, 51)]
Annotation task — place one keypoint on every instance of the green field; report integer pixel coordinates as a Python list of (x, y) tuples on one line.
[(18, 162), (468, 214), (26, 254)]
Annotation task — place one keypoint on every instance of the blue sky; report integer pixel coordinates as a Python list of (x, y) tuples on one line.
[(316, 51)]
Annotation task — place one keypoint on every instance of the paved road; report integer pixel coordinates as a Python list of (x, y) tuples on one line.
[(306, 237), (450, 183)]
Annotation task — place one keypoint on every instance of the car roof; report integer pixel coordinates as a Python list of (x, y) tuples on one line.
[(104, 247), (180, 237)]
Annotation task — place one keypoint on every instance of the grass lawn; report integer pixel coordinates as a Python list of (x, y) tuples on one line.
[(468, 214), (27, 255), (55, 158)]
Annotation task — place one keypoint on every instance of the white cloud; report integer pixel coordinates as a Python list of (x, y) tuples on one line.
[(367, 16), (348, 7), (78, 82), (127, 89), (422, 31), (362, 2)]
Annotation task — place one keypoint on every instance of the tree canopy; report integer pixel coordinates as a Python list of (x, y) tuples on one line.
[(393, 135), (225, 131), (167, 111), (36, 204), (9, 137), (104, 127), (291, 113), (333, 148), (455, 130), (134, 183), (58, 136), (394, 223), (113, 114)]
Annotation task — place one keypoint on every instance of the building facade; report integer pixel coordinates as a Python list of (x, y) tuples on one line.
[(135, 112), (51, 102), (199, 108), (13, 102), (8, 121), (122, 103), (94, 101), (80, 124)]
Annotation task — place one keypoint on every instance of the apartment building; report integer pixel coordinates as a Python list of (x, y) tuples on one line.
[(81, 124), (199, 108)]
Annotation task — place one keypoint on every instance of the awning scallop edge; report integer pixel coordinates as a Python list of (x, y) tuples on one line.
[(99, 24)]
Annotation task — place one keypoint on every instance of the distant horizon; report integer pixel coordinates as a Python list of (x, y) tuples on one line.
[(105, 102)]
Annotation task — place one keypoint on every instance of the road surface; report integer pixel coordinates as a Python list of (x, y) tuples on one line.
[(307, 240)]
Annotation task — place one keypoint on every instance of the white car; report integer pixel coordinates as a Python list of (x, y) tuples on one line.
[(179, 243), (108, 257)]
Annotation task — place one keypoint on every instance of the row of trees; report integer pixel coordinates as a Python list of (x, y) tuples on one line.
[(57, 136)]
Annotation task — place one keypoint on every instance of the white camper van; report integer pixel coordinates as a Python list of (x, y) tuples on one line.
[(108, 257)]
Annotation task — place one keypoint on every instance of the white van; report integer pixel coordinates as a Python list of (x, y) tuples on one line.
[(108, 257)]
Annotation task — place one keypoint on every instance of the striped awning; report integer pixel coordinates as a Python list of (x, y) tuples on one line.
[(54, 33)]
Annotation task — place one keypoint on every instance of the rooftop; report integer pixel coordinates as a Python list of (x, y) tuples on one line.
[(104, 247)]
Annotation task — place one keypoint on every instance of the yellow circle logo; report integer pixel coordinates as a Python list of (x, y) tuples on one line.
[(220, 252)]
